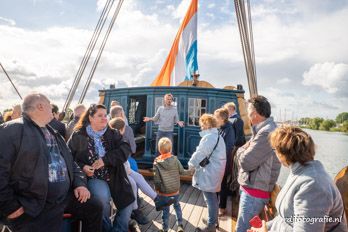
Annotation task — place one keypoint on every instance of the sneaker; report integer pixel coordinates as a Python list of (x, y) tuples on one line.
[(205, 221), (161, 202), (141, 203), (180, 228), (210, 228), (140, 217), (161, 230), (133, 226)]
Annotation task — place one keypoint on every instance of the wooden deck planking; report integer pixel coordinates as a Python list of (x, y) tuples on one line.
[(226, 221), (193, 210), (154, 215), (195, 216), (186, 209), (184, 197)]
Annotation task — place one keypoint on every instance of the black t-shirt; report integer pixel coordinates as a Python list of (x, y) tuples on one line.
[(58, 177)]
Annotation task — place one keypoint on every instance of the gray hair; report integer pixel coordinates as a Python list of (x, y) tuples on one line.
[(116, 111), (31, 100), (79, 107)]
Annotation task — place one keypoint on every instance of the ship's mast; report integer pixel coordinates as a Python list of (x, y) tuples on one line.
[(246, 36)]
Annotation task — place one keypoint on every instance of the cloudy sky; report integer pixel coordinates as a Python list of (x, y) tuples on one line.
[(300, 45)]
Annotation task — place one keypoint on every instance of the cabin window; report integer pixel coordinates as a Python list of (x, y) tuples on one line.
[(196, 107), (132, 110), (159, 102)]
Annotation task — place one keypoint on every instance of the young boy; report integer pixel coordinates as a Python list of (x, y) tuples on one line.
[(167, 170), (136, 179)]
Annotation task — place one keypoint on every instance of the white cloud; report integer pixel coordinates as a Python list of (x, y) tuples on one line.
[(7, 21), (181, 10), (279, 36), (100, 4), (288, 105), (284, 81), (329, 76), (47, 60), (211, 5)]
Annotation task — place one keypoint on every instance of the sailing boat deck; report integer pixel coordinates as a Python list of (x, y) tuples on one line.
[(193, 210)]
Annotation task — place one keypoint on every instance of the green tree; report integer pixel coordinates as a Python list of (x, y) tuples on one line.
[(314, 123), (304, 121), (344, 127), (327, 124), (342, 117)]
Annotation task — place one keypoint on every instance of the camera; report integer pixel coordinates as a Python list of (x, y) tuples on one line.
[(204, 162)]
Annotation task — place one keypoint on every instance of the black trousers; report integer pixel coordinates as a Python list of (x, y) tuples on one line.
[(224, 193), (51, 217)]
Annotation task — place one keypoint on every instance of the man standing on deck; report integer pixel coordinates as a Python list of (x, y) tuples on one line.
[(259, 166), (237, 123), (166, 116), (38, 178), (55, 123)]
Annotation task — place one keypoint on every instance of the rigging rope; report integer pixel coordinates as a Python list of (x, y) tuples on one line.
[(95, 64), (88, 52), (245, 29), (11, 81)]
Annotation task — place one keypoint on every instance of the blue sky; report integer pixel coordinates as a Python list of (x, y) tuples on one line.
[(300, 46)]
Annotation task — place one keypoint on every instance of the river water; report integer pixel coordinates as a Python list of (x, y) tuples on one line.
[(331, 150)]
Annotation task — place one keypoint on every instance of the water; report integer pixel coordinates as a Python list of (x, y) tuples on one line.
[(331, 150)]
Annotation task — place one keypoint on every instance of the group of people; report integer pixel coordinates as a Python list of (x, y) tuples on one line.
[(48, 169)]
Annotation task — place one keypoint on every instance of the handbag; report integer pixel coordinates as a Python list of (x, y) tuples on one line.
[(206, 161)]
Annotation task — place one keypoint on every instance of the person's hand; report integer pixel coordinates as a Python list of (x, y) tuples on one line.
[(262, 229), (16, 213), (181, 123), (147, 119), (82, 194), (88, 170), (98, 164), (192, 170)]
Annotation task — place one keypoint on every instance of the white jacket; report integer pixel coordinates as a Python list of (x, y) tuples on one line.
[(209, 178)]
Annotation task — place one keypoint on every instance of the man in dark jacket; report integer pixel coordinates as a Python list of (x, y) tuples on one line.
[(237, 123), (55, 123), (38, 178)]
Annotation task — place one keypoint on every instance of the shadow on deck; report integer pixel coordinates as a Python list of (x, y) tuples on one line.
[(193, 210)]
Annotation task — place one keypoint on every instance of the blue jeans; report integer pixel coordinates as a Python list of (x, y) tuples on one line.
[(248, 208), (122, 219), (166, 213), (100, 190), (212, 202), (161, 134)]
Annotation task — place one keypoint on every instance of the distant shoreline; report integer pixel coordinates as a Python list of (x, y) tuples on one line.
[(336, 130)]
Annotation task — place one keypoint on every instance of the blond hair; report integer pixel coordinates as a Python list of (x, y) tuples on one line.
[(230, 105), (208, 121), (293, 143), (164, 145), (223, 114)]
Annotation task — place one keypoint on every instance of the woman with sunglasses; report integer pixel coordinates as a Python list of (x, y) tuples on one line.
[(101, 152)]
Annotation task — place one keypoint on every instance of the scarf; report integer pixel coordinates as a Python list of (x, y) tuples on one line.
[(96, 136)]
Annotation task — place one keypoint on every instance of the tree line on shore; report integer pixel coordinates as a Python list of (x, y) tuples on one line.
[(340, 124)]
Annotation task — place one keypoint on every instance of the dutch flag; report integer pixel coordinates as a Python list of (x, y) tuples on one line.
[(181, 62)]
